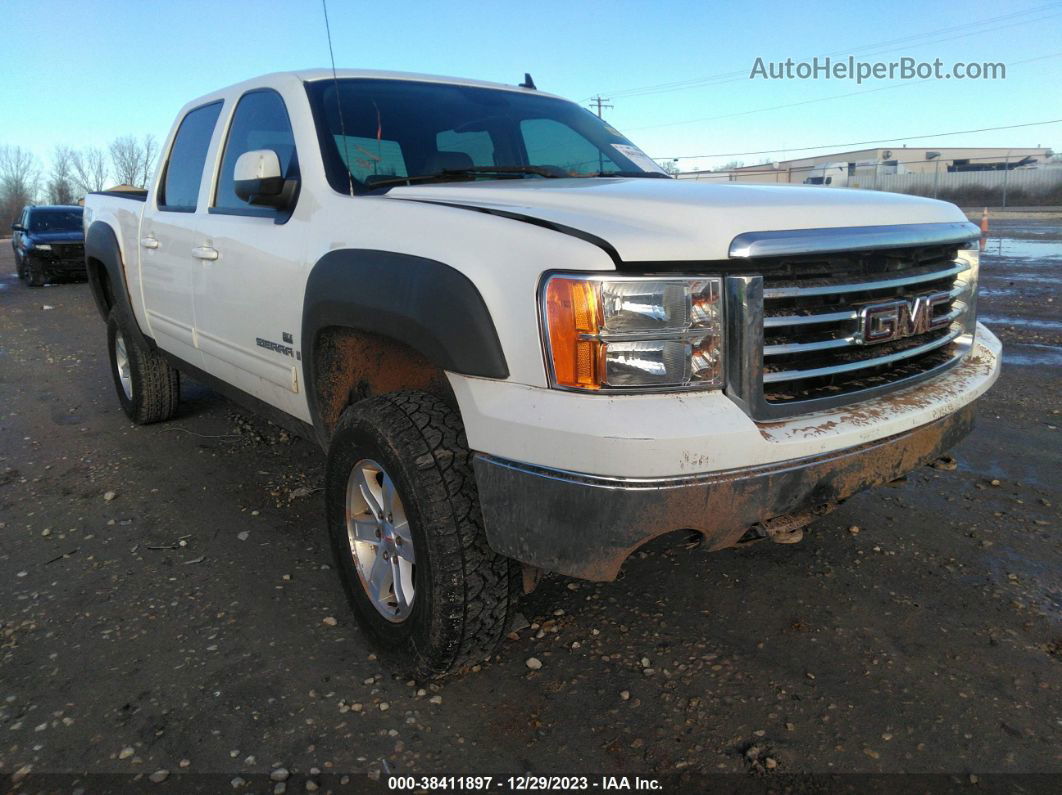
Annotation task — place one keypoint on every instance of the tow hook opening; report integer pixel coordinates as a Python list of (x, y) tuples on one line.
[(788, 528)]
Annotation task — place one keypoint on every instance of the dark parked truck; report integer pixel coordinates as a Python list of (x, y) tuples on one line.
[(523, 346), (49, 243)]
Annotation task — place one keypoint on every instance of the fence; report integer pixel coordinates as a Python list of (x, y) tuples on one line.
[(1031, 186), (1019, 183)]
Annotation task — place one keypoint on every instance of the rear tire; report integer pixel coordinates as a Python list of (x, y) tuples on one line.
[(458, 601), (148, 387)]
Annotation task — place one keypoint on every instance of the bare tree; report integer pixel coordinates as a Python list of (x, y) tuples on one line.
[(729, 166), (127, 160), (149, 152), (19, 182), (61, 179), (90, 169)]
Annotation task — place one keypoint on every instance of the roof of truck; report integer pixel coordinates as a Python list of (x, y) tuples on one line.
[(313, 75), (326, 74)]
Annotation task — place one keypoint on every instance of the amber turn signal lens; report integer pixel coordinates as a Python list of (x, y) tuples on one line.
[(573, 309)]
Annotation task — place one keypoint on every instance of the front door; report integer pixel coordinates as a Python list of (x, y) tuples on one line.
[(248, 302)]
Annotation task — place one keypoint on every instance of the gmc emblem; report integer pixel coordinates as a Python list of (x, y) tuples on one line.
[(896, 320)]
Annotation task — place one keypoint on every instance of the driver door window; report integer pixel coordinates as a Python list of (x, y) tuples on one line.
[(259, 122)]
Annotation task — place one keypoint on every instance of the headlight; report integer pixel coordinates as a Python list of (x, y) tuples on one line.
[(41, 247), (633, 333)]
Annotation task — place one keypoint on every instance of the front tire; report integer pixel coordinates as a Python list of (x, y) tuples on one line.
[(148, 387), (408, 538), (34, 273)]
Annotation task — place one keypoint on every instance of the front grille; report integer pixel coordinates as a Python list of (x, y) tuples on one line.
[(813, 343), (810, 325), (68, 251)]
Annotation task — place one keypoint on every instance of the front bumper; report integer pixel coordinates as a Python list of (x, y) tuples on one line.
[(586, 526), (53, 265), (599, 476), (60, 265)]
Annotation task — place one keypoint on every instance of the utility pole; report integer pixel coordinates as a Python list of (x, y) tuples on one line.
[(935, 156), (1006, 173), (599, 102)]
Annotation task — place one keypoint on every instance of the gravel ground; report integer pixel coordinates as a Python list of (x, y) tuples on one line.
[(168, 605)]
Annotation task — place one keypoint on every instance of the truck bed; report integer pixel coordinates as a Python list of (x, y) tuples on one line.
[(135, 195)]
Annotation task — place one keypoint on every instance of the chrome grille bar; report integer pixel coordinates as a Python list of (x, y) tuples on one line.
[(865, 286), (847, 367), (809, 347), (806, 320), (954, 313)]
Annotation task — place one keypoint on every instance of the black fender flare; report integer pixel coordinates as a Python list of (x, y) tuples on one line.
[(102, 246), (428, 305)]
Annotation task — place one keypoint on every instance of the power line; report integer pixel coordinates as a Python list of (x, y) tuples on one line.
[(813, 101), (740, 75), (861, 143), (866, 49), (599, 101)]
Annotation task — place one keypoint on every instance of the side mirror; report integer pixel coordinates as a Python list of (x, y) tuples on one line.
[(258, 181), (18, 228)]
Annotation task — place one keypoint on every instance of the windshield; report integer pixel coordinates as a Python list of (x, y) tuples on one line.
[(55, 220), (392, 129)]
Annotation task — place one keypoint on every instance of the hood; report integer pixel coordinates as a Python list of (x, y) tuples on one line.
[(648, 220), (72, 236)]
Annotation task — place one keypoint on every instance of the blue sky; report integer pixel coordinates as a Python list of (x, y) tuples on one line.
[(81, 73)]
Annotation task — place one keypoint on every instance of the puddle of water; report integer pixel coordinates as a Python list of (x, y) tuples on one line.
[(1038, 278), (992, 292), (1020, 248), (1032, 354), (1053, 325)]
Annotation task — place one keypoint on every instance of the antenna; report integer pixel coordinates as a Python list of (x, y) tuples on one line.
[(528, 82), (339, 105)]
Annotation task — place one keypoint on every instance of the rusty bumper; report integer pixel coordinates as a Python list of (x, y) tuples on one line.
[(586, 526)]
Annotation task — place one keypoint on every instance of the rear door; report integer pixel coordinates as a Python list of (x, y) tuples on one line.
[(170, 242), (248, 301)]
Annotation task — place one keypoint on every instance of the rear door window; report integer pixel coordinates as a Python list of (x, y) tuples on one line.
[(184, 169)]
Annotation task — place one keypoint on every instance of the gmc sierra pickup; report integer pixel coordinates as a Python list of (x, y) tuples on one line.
[(523, 346)]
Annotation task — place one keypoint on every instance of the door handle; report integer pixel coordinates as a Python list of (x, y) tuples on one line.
[(205, 252), (149, 242)]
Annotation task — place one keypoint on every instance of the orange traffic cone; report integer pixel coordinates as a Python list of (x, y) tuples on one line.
[(984, 222)]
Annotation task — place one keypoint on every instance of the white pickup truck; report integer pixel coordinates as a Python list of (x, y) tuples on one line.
[(524, 347)]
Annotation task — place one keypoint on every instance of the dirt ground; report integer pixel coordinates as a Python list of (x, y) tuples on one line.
[(168, 605)]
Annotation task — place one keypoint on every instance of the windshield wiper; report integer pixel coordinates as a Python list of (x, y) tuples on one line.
[(645, 174), (550, 172)]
